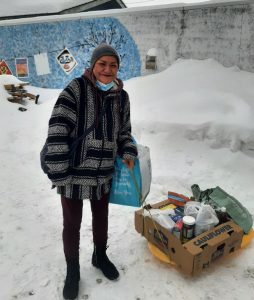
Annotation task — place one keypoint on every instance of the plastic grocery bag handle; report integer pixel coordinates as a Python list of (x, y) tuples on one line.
[(136, 185)]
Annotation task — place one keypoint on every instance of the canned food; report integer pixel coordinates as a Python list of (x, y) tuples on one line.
[(188, 227)]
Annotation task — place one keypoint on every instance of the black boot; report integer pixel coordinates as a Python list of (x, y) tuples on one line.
[(71, 286), (101, 261)]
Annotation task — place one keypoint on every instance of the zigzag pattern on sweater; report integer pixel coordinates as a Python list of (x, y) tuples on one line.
[(77, 108)]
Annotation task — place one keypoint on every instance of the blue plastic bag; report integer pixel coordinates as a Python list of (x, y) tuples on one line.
[(126, 184)]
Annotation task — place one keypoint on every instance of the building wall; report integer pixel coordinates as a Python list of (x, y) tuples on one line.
[(223, 31), (80, 37)]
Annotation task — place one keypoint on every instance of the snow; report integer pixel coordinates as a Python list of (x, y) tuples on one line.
[(196, 117), (152, 52), (24, 7), (138, 3)]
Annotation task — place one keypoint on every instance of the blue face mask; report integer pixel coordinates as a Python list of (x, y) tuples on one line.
[(104, 86)]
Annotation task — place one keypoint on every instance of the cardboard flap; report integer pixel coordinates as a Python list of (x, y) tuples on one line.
[(139, 226)]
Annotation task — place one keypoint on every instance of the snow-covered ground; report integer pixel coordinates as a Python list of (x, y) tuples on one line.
[(197, 119)]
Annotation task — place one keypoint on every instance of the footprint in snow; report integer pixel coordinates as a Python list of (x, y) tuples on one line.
[(248, 273)]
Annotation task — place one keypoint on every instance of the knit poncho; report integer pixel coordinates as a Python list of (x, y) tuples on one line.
[(87, 174)]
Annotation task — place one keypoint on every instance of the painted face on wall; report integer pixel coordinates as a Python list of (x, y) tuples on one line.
[(105, 69), (67, 61)]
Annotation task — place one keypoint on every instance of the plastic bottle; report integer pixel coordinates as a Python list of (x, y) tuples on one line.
[(164, 220)]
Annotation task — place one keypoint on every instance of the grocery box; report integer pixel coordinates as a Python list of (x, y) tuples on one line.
[(198, 253)]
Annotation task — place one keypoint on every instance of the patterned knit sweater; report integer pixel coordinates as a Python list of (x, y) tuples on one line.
[(88, 172)]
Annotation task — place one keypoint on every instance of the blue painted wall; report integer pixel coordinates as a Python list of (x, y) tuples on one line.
[(79, 36)]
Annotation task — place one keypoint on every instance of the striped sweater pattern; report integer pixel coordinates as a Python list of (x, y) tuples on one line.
[(78, 107)]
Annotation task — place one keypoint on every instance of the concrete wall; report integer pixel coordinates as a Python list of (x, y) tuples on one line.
[(223, 31)]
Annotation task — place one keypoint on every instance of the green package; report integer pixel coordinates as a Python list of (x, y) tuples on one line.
[(217, 198)]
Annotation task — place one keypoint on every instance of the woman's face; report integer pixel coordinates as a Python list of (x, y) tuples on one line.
[(105, 69)]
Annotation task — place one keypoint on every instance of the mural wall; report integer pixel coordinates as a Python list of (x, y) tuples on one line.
[(51, 54)]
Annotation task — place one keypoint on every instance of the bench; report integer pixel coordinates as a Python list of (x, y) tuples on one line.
[(18, 92)]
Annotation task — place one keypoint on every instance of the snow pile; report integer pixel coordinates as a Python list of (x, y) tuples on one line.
[(213, 103)]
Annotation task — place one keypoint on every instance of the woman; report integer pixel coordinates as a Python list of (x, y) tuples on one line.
[(96, 108)]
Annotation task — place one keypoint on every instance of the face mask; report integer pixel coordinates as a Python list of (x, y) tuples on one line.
[(104, 86)]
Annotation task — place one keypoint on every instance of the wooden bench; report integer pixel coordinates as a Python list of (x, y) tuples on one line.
[(18, 93), (15, 99)]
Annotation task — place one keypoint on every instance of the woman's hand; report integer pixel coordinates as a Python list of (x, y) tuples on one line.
[(129, 163)]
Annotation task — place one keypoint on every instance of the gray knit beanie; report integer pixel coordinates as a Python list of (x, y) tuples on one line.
[(103, 50)]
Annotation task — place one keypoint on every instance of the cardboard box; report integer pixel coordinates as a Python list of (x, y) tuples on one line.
[(195, 255)]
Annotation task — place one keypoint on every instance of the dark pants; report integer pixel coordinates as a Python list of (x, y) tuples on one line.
[(72, 217)]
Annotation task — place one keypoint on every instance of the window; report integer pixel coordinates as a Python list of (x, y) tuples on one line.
[(151, 59)]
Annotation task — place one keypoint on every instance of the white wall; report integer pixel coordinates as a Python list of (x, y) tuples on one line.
[(224, 32)]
